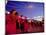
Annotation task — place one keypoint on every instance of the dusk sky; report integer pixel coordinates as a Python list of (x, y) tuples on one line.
[(29, 9)]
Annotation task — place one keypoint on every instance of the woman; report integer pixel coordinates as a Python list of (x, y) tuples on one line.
[(11, 22)]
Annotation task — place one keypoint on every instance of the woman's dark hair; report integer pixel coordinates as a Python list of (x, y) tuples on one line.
[(12, 12), (21, 15), (16, 13)]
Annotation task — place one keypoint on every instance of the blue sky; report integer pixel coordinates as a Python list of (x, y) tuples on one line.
[(29, 9)]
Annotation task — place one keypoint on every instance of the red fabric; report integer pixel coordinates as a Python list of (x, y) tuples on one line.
[(25, 27), (11, 28), (18, 31), (20, 20), (30, 28), (11, 25)]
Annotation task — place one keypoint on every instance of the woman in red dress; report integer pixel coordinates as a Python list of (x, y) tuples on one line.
[(11, 22), (26, 26)]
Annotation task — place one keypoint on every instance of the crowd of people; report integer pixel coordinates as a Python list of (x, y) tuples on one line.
[(16, 24)]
